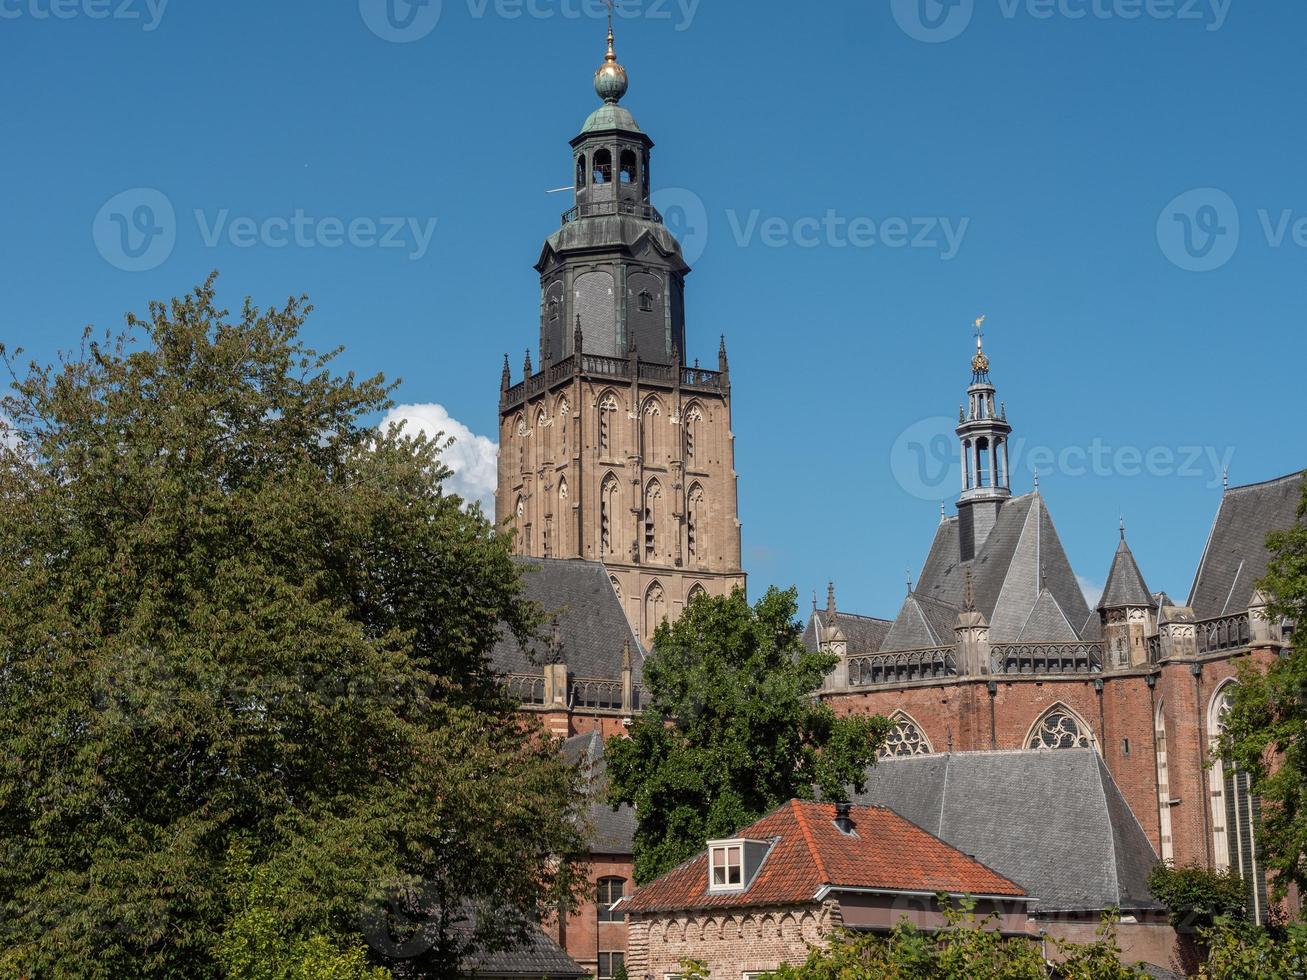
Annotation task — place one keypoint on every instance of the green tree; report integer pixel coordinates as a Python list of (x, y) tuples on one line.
[(232, 611), (1195, 897), (1266, 735), (1240, 951), (733, 728)]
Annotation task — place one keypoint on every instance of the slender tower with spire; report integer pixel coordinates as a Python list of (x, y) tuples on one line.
[(983, 433), (616, 451)]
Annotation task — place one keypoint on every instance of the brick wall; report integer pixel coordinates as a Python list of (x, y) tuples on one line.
[(583, 936), (960, 714), (730, 942)]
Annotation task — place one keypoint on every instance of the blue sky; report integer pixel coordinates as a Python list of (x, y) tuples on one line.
[(1116, 184)]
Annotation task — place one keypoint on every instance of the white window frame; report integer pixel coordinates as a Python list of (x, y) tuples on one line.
[(726, 847)]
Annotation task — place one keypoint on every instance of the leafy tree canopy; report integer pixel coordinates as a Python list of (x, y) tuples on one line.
[(1267, 724), (733, 729), (232, 612), (1195, 897)]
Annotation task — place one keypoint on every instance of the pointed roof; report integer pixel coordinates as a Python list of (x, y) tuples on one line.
[(864, 634), (1125, 583), (610, 831), (1021, 559), (1047, 623), (996, 803), (1236, 557), (808, 852)]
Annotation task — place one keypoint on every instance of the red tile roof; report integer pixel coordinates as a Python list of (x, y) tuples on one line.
[(884, 853)]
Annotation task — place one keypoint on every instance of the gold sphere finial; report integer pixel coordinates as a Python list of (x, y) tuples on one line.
[(610, 79)]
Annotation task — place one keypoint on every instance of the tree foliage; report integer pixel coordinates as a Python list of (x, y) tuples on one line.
[(1239, 951), (1195, 896), (733, 728), (232, 611), (970, 948), (1266, 734)]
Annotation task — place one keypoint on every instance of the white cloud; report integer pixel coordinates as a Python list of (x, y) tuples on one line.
[(1092, 590), (473, 458)]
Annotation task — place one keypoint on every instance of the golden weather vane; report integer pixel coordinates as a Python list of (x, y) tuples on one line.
[(980, 322)]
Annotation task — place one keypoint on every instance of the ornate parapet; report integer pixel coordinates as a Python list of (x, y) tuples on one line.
[(928, 663), (1076, 657)]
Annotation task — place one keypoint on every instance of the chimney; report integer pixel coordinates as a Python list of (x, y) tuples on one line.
[(843, 819)]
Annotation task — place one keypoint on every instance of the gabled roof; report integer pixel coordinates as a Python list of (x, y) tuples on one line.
[(610, 831), (537, 958), (864, 634), (1235, 557), (884, 853), (1125, 583), (1020, 560), (1053, 821), (592, 625)]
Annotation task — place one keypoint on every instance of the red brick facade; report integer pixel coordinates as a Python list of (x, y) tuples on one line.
[(965, 714)]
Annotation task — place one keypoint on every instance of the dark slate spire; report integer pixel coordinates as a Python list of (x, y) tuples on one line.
[(1125, 584), (722, 364), (506, 379), (526, 366)]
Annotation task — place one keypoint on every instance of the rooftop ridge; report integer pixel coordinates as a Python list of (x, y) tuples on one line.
[(796, 807), (1296, 475)]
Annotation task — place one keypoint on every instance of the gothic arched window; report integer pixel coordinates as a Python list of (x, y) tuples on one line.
[(1236, 812), (696, 592), (607, 412), (564, 519), (1059, 728), (653, 505), (564, 413), (523, 529), (694, 514), (607, 513), (603, 168), (905, 738), (650, 444), (691, 423), (1163, 784), (655, 609)]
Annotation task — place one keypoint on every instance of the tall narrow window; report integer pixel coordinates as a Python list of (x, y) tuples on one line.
[(694, 520), (564, 423), (607, 411), (1163, 786), (650, 444), (1236, 814), (982, 462), (609, 893), (564, 519), (523, 529), (580, 171), (655, 608), (607, 512), (653, 501), (691, 422), (610, 965)]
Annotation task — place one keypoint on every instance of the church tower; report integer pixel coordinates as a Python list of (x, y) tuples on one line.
[(615, 450), (983, 432)]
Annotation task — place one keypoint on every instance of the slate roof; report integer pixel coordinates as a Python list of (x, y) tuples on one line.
[(1125, 583), (591, 622), (610, 831), (1235, 556), (808, 851), (540, 958), (1052, 821), (1022, 581), (864, 634)]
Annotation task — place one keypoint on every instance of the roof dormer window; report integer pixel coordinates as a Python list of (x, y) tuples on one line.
[(727, 866), (733, 864)]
